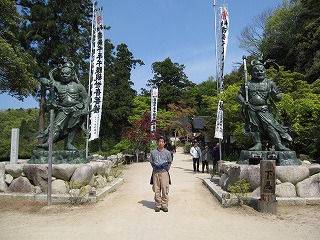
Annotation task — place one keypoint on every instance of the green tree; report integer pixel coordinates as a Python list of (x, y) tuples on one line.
[(50, 31), (171, 81), (118, 92), (17, 66), (193, 97), (180, 118), (141, 104), (26, 121), (300, 105), (291, 36), (279, 35), (251, 36)]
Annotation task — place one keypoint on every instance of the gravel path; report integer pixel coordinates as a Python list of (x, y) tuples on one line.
[(128, 214)]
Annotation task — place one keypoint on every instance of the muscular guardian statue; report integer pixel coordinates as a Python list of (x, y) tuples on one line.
[(71, 108), (257, 98)]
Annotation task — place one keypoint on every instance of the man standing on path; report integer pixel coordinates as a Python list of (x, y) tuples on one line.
[(170, 148), (216, 154), (195, 151), (206, 158), (161, 160)]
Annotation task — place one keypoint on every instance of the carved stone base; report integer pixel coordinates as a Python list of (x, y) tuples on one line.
[(59, 157), (283, 158)]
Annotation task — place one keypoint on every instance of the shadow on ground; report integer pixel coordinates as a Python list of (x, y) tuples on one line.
[(147, 204)]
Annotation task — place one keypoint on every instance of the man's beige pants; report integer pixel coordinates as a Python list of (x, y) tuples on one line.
[(161, 188)]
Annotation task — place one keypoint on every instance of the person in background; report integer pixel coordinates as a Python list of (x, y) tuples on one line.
[(171, 149), (195, 151), (216, 154), (160, 160), (206, 158)]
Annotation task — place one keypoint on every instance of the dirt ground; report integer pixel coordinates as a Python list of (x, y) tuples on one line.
[(128, 213)]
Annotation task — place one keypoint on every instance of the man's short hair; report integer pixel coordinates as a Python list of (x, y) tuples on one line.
[(163, 138)]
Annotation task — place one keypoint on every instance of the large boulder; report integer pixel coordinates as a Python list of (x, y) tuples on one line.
[(95, 167), (224, 166), (15, 170), (309, 187), (286, 190), (59, 187), (251, 173), (3, 185), (102, 170), (293, 174), (314, 168), (21, 184), (228, 179), (63, 171), (82, 176), (37, 174)]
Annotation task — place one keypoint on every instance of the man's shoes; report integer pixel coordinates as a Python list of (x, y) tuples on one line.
[(164, 209), (157, 209)]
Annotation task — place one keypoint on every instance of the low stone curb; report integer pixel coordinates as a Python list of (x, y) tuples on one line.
[(224, 197), (61, 198)]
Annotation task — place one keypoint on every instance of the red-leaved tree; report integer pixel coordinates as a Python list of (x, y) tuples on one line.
[(140, 132)]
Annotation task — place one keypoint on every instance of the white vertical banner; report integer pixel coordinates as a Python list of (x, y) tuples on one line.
[(97, 77), (222, 46), (219, 121), (154, 102), (224, 34)]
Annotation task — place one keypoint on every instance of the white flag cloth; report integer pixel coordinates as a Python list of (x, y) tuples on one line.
[(219, 121), (154, 103), (224, 34), (97, 77)]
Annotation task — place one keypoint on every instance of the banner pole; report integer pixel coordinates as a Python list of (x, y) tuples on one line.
[(90, 71), (216, 43), (223, 36)]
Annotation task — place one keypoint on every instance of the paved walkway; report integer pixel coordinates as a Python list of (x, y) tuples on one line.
[(128, 214)]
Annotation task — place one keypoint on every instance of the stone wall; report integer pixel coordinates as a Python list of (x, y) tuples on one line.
[(292, 181), (33, 178)]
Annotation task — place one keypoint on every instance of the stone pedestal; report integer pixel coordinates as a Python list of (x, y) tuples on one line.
[(283, 158), (14, 146), (59, 157)]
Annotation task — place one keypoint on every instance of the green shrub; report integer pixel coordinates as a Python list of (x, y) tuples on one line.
[(240, 190), (77, 192), (231, 158), (124, 146), (115, 171)]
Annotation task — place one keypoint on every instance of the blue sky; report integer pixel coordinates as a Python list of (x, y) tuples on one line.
[(180, 29)]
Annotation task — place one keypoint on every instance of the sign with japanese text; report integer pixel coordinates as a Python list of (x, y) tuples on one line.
[(97, 77)]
